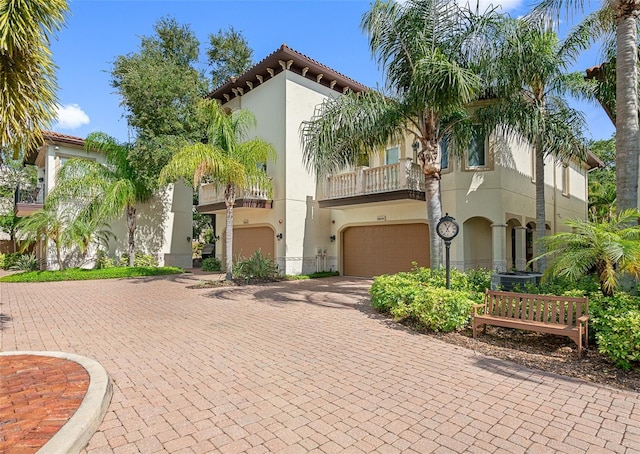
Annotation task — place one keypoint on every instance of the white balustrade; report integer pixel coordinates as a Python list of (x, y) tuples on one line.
[(210, 194), (391, 177)]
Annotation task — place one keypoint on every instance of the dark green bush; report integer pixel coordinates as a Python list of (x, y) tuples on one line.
[(256, 267), (140, 260), (420, 295), (10, 260), (211, 264), (615, 325)]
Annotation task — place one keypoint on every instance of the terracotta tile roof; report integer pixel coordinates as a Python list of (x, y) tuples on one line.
[(275, 63), (52, 136)]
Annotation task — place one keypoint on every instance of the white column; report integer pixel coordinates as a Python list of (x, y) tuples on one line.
[(499, 247), (521, 248)]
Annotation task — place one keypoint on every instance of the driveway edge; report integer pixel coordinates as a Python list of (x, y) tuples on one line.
[(78, 430)]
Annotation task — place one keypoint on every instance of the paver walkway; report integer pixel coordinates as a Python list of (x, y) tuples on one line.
[(300, 366)]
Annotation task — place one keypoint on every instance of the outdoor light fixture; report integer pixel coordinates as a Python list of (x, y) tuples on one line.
[(279, 236), (188, 238), (332, 238), (415, 145)]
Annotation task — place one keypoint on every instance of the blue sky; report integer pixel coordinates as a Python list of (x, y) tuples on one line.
[(97, 31)]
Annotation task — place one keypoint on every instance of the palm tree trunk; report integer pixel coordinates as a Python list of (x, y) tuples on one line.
[(59, 254), (434, 213), (541, 229), (627, 136), (131, 225), (229, 200)]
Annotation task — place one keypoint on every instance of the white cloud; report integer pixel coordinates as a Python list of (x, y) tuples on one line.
[(71, 116)]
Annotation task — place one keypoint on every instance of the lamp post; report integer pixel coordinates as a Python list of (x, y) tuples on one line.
[(447, 229)]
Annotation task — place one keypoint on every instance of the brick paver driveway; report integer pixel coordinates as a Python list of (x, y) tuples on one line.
[(297, 367)]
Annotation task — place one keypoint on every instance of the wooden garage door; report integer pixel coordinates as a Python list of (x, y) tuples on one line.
[(249, 239), (384, 249)]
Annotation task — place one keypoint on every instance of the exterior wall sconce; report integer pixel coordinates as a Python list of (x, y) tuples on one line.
[(188, 238), (332, 238), (279, 236)]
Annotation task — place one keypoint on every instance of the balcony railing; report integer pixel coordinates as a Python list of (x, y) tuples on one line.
[(375, 180), (30, 196), (210, 194)]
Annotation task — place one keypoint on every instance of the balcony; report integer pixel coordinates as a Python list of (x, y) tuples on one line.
[(28, 201), (400, 181), (211, 199)]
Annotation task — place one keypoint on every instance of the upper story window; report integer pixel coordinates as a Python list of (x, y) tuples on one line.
[(477, 155), (444, 156), (392, 155)]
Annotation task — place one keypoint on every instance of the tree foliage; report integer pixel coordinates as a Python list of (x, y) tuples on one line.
[(229, 55), (602, 182), (609, 248), (160, 87), (27, 72)]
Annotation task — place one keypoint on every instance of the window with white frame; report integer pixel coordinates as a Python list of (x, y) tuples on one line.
[(477, 153), (392, 155)]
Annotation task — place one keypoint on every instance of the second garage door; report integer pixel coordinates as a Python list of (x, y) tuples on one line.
[(384, 249)]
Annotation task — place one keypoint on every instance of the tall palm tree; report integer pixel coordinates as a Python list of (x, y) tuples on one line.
[(105, 191), (227, 159), (622, 16), (610, 247), (27, 73), (528, 82), (425, 48)]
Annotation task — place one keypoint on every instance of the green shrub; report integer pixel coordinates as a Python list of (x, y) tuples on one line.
[(211, 264), (2, 256), (437, 309), (103, 261), (10, 259), (256, 267), (421, 296), (196, 250), (26, 262), (140, 260), (619, 337)]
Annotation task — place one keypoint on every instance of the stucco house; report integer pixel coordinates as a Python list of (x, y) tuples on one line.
[(163, 224), (372, 219)]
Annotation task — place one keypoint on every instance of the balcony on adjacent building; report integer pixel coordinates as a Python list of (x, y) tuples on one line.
[(212, 199), (399, 181), (28, 201)]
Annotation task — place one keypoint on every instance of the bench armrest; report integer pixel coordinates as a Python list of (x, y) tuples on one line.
[(476, 307), (583, 319)]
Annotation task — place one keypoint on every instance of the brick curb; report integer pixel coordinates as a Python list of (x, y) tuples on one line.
[(78, 430)]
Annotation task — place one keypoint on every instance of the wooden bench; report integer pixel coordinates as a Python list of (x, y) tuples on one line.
[(560, 315)]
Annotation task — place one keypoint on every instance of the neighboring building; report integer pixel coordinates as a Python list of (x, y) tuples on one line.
[(163, 223), (372, 219)]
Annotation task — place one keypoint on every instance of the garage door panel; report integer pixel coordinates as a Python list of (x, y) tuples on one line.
[(248, 240), (384, 249)]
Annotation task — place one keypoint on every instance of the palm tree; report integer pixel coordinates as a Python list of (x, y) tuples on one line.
[(609, 247), (528, 82), (425, 48), (622, 16), (227, 159), (27, 72), (48, 223), (84, 231), (103, 190)]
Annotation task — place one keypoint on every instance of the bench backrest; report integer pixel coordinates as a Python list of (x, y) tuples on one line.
[(562, 310)]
